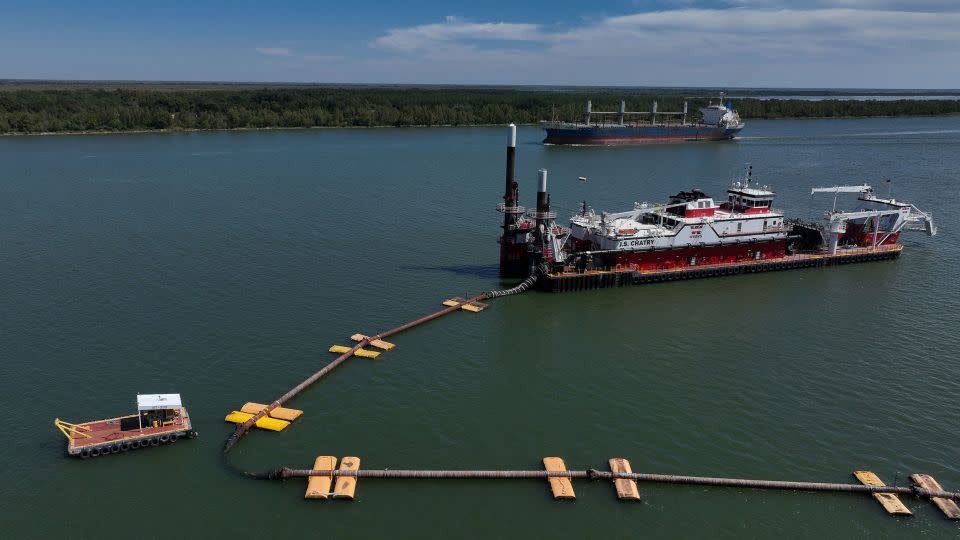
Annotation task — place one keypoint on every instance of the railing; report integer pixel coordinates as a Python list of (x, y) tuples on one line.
[(541, 215), (504, 209)]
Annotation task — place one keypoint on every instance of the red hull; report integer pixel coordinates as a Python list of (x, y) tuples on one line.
[(697, 256)]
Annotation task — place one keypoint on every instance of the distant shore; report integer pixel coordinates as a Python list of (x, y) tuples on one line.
[(244, 129), (14, 134), (86, 109)]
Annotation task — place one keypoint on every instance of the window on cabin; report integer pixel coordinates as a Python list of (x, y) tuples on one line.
[(739, 227)]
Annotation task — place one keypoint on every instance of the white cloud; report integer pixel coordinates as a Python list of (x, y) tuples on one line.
[(737, 46), (274, 51), (455, 29), (893, 5), (774, 28)]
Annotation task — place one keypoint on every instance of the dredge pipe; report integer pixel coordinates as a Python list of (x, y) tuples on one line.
[(523, 286), (243, 428), (593, 474)]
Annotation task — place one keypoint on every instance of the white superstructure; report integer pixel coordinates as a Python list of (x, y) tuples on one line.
[(689, 219)]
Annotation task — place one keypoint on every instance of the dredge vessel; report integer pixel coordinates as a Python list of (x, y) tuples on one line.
[(693, 235), (718, 122)]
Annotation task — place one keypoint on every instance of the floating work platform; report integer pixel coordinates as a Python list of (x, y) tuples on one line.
[(628, 275), (890, 502), (160, 419)]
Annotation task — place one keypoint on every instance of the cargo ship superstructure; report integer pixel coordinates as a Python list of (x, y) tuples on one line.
[(718, 121), (695, 235)]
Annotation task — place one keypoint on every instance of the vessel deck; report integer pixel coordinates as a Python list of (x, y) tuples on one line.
[(107, 431)]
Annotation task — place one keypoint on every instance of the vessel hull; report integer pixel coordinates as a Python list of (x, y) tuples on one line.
[(569, 280), (612, 135), (667, 259)]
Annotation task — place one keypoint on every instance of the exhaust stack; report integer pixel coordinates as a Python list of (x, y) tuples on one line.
[(543, 199), (513, 245)]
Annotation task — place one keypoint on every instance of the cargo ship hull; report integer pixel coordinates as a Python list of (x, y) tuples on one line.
[(599, 135)]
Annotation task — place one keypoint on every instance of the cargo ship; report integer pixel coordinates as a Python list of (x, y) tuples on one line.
[(160, 419), (717, 122), (692, 235)]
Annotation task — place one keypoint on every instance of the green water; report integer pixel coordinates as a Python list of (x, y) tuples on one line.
[(223, 265)]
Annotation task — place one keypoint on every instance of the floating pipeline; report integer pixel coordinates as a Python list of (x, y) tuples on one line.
[(940, 497), (244, 427), (284, 473)]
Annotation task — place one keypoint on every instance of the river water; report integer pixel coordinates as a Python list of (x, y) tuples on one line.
[(223, 265)]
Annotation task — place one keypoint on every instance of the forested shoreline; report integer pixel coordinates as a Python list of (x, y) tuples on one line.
[(25, 111)]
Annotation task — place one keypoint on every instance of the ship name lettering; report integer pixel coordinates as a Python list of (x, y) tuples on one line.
[(635, 243)]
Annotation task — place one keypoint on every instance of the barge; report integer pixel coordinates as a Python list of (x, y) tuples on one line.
[(718, 122), (693, 235), (160, 419)]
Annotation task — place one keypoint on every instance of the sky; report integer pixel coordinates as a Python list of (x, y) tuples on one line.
[(706, 43)]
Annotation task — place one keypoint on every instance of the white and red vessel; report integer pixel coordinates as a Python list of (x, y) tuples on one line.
[(691, 228), (695, 235)]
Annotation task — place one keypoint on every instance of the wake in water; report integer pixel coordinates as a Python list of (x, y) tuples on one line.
[(845, 135)]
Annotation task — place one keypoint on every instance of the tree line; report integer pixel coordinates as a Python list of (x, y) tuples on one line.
[(130, 109)]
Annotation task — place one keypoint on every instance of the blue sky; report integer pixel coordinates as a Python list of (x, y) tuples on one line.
[(780, 43)]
